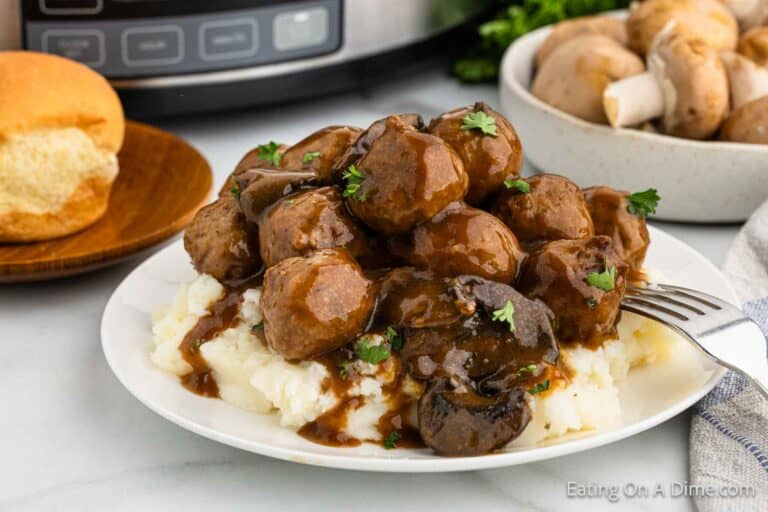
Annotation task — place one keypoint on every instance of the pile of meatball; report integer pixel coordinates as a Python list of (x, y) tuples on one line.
[(427, 230), (696, 69)]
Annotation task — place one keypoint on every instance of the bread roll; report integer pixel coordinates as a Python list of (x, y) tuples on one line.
[(61, 126)]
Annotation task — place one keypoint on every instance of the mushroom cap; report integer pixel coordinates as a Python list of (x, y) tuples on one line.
[(749, 123), (608, 26), (708, 20), (747, 80), (754, 45), (694, 83), (575, 75)]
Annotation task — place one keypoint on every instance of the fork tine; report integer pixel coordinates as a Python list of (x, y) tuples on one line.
[(659, 295), (701, 297), (653, 310)]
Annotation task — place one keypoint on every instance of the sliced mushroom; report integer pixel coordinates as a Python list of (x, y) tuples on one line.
[(259, 187), (568, 29), (686, 86), (574, 76), (749, 123), (465, 423), (708, 20), (748, 81)]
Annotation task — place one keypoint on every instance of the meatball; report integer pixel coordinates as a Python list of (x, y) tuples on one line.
[(464, 240), (610, 215), (405, 178), (488, 159), (416, 298), (466, 423), (258, 187), (221, 243), (362, 144), (553, 209), (583, 282), (315, 304), (303, 222), (318, 151)]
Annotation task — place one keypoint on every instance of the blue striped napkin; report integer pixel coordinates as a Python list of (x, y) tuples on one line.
[(729, 428)]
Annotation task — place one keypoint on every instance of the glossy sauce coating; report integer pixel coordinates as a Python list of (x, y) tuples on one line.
[(409, 176), (315, 304), (259, 187), (318, 151), (557, 274), (611, 217), (488, 160), (554, 209), (409, 297), (306, 221), (464, 240)]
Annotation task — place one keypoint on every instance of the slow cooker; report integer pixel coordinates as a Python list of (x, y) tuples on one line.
[(169, 57)]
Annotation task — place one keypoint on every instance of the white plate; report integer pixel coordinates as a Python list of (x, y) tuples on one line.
[(699, 181), (649, 396)]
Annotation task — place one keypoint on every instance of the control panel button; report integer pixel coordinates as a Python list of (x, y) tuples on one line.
[(64, 7), (86, 45), (162, 45), (228, 39), (300, 29)]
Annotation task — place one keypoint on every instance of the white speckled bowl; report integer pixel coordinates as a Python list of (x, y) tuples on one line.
[(699, 181)]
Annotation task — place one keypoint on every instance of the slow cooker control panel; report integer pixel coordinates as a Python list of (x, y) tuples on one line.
[(144, 38)]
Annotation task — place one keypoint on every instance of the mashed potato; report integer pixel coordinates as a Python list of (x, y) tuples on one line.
[(252, 377)]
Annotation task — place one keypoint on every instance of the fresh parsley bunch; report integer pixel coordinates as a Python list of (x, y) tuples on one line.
[(515, 18)]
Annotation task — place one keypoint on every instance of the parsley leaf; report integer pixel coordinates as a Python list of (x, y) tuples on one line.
[(309, 156), (354, 179), (269, 152), (344, 369), (531, 368), (476, 69), (505, 314), (394, 338), (235, 190), (480, 121), (519, 185), (391, 440), (370, 353), (538, 388), (605, 280), (643, 203)]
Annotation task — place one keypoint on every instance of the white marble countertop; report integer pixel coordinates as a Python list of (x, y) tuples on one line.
[(71, 438)]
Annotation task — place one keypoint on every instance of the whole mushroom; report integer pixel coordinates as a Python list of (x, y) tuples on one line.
[(749, 13), (574, 76), (686, 86), (566, 30), (754, 45), (748, 124), (747, 80), (708, 20)]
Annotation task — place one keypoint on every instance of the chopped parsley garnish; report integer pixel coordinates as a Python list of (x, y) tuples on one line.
[(479, 121), (643, 203), (370, 353), (258, 327), (391, 440), (354, 179), (309, 156), (394, 338), (605, 280), (269, 152), (531, 368), (538, 388), (505, 314), (344, 369), (591, 303), (235, 191), (195, 345), (519, 185)]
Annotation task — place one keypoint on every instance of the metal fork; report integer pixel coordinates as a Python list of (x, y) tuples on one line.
[(719, 329)]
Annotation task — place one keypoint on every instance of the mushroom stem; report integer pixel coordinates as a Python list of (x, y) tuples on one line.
[(747, 80), (633, 100)]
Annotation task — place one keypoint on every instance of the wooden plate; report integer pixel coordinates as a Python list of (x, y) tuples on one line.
[(163, 181)]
